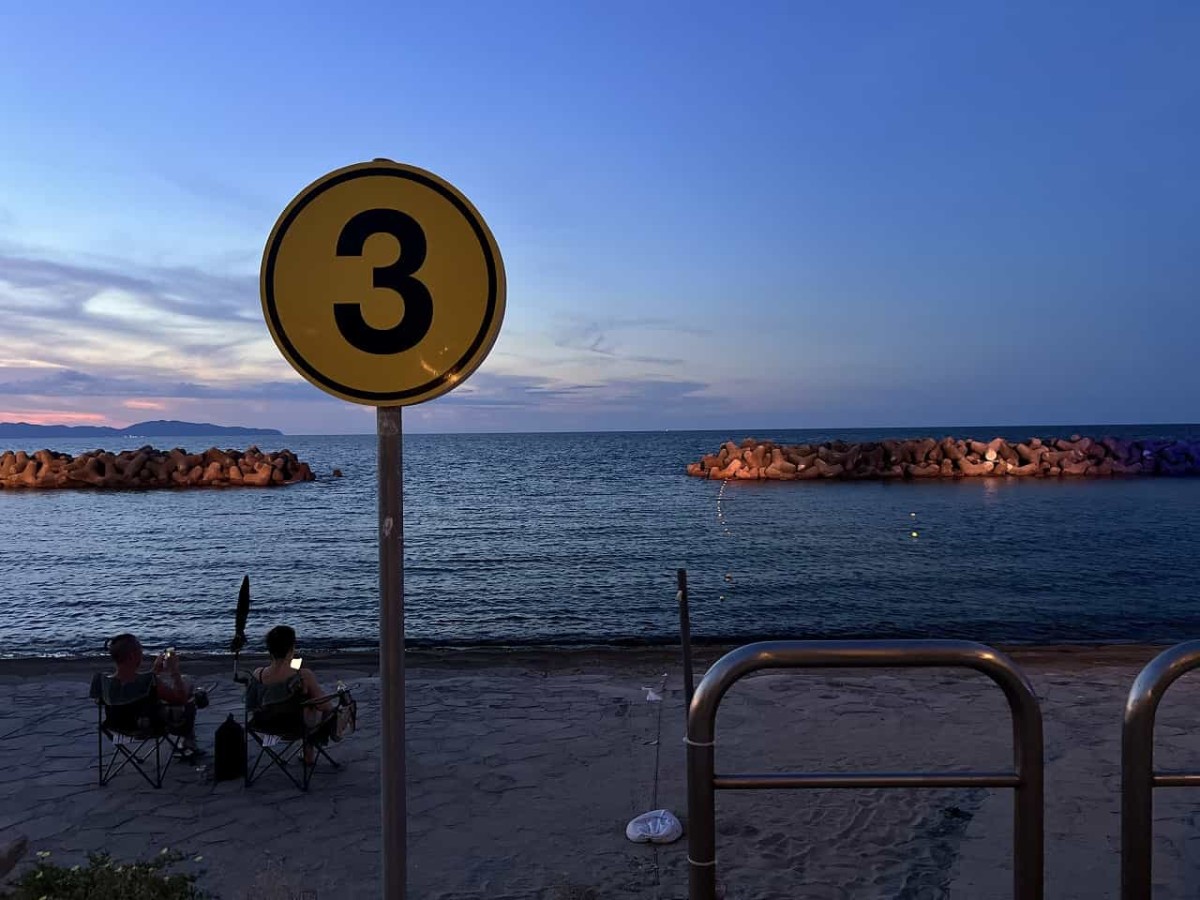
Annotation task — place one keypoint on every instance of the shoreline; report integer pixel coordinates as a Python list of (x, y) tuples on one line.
[(565, 658)]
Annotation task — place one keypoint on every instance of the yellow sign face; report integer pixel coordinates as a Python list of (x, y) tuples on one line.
[(381, 284)]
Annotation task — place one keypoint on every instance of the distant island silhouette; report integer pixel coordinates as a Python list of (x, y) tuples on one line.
[(155, 428)]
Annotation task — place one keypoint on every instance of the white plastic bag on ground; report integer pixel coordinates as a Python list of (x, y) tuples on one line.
[(658, 827)]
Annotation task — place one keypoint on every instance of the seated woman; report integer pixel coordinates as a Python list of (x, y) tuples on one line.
[(279, 681), (175, 693)]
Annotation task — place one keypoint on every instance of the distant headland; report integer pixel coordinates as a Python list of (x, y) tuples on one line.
[(155, 428)]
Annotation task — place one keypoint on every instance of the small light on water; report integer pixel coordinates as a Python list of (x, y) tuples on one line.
[(914, 534)]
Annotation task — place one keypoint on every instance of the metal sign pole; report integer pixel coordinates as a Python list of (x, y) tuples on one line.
[(391, 649), (313, 295)]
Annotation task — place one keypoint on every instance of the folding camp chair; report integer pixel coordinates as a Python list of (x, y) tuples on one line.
[(130, 717), (275, 719)]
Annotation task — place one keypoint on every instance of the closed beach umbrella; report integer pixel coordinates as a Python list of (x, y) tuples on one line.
[(243, 610), (239, 634)]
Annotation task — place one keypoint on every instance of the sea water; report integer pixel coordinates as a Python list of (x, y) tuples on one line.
[(576, 538)]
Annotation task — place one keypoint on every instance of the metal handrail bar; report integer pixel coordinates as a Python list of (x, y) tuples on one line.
[(772, 780), (1177, 779)]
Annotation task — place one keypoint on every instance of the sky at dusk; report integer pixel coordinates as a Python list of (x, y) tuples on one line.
[(760, 215)]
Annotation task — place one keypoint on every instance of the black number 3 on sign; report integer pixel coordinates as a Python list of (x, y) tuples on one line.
[(362, 326), (398, 277)]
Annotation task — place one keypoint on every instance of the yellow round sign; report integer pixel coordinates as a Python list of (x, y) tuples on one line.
[(381, 284)]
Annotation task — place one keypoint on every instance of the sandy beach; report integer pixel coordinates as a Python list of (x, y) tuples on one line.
[(524, 768)]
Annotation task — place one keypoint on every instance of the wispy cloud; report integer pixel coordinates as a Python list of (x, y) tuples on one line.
[(501, 391), (611, 337), (172, 323), (144, 404), (495, 401), (204, 186), (85, 336), (69, 382)]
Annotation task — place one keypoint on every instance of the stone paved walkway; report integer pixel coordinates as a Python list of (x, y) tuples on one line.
[(524, 771)]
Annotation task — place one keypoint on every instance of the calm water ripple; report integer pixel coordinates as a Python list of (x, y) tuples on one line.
[(576, 538)]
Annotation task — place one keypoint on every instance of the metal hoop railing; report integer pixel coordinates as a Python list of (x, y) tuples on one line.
[(1025, 779), (1138, 778)]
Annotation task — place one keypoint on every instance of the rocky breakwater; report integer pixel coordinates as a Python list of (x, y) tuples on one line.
[(949, 458), (151, 468)]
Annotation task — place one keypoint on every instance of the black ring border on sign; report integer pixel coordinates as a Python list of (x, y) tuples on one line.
[(466, 213)]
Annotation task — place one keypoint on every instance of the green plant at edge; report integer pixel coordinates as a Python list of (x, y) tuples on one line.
[(103, 879)]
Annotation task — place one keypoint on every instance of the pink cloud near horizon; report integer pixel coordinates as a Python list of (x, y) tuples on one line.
[(54, 417), (145, 404)]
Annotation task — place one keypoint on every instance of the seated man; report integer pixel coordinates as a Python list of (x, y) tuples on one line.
[(177, 698)]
